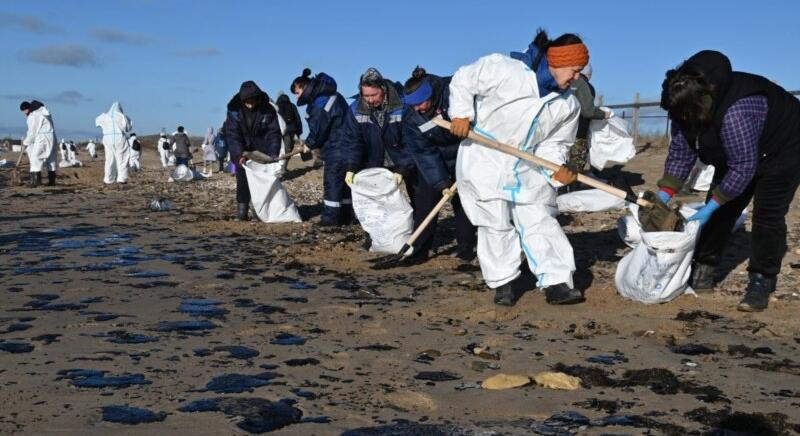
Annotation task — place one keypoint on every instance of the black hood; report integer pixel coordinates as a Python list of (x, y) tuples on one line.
[(393, 99), (249, 89), (321, 85), (35, 104), (283, 99), (716, 67)]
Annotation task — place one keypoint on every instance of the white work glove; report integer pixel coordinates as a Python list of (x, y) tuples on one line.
[(609, 112), (348, 178), (447, 192), (398, 178)]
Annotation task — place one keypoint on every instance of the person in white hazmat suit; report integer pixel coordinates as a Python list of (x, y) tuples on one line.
[(522, 102), (63, 149), (164, 149), (72, 152), (91, 148), (40, 141), (116, 126), (136, 152)]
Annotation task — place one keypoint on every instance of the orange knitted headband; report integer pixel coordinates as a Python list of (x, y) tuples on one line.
[(573, 55)]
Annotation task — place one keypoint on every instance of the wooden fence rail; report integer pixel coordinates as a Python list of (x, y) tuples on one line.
[(637, 105)]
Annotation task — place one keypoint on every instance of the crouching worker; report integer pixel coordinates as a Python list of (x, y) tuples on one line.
[(513, 203), (749, 129), (327, 110), (434, 150), (251, 125)]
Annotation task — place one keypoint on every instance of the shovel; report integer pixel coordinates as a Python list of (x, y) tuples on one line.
[(262, 158), (393, 260), (653, 214), (16, 179)]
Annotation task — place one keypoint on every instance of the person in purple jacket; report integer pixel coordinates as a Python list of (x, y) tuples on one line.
[(749, 129)]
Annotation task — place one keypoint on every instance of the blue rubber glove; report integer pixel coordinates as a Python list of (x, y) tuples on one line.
[(664, 196), (704, 214)]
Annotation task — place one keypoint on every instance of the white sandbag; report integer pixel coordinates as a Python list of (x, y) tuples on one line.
[(589, 200), (382, 209), (610, 141), (268, 196), (701, 176), (182, 173), (658, 268), (70, 163)]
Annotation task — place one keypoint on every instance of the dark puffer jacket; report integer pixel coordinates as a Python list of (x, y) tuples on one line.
[(433, 148), (368, 140), (326, 112), (247, 130), (288, 111)]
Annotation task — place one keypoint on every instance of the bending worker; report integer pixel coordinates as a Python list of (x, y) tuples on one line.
[(513, 203), (749, 129), (434, 150)]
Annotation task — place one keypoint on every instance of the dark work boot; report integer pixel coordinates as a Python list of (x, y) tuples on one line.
[(702, 279), (562, 294), (242, 210), (506, 295), (757, 296), (36, 179), (51, 178)]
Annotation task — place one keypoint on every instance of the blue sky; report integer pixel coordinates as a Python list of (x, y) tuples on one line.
[(179, 62)]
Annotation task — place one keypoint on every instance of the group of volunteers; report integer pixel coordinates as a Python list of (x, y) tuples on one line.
[(538, 101)]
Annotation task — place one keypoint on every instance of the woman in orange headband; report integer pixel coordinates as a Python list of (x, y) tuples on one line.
[(521, 101)]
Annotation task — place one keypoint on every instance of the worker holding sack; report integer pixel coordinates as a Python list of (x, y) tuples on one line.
[(749, 129), (521, 102)]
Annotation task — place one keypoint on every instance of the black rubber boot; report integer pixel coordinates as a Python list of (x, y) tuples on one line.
[(36, 179), (466, 253), (508, 294), (702, 279), (562, 294), (756, 298), (242, 211), (51, 178)]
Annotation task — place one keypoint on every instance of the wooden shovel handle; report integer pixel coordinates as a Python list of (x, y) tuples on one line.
[(431, 216), (491, 143)]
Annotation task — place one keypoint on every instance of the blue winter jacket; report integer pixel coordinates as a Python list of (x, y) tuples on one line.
[(263, 134), (326, 112), (367, 141), (433, 148), (547, 83)]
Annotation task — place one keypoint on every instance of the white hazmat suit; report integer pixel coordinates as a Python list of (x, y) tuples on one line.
[(163, 150), (511, 201), (115, 125), (91, 148), (134, 159), (62, 148), (41, 140)]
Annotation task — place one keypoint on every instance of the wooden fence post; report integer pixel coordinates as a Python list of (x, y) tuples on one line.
[(636, 120)]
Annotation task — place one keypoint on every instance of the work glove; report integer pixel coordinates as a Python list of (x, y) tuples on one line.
[(609, 113), (348, 178), (242, 161), (447, 192), (459, 127), (398, 178), (704, 214), (664, 196), (306, 154), (565, 176)]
